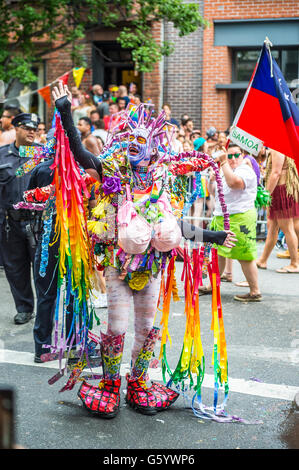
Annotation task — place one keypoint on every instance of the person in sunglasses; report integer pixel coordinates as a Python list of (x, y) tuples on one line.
[(240, 189)]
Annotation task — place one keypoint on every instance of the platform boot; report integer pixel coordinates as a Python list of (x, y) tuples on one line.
[(145, 399), (104, 400)]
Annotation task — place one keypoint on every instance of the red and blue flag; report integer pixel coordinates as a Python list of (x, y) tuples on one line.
[(268, 110)]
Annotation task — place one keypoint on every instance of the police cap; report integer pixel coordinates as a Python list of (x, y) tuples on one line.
[(26, 119)]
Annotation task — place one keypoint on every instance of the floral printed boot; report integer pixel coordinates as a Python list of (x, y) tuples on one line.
[(104, 400), (147, 400)]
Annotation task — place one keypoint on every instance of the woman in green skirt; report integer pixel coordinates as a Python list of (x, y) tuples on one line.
[(239, 188)]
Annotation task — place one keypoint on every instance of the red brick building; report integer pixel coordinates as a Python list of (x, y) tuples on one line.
[(231, 47), (208, 72)]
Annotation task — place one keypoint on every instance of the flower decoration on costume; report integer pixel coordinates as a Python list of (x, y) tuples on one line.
[(111, 185), (139, 280)]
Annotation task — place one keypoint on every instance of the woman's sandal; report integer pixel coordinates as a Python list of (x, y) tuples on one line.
[(242, 284), (227, 277), (204, 290), (259, 266), (248, 298), (285, 270)]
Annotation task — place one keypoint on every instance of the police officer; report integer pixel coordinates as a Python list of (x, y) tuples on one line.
[(16, 241)]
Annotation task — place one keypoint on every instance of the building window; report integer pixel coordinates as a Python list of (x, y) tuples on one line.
[(289, 64), (244, 61)]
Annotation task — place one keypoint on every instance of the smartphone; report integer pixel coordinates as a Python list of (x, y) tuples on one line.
[(6, 417), (216, 154)]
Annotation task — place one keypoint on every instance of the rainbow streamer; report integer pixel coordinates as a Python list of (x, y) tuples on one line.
[(219, 360), (75, 257), (192, 357), (192, 360)]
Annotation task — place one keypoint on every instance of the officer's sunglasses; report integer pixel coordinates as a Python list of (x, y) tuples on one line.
[(231, 155), (27, 128)]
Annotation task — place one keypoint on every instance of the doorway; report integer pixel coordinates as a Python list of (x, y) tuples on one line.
[(113, 65)]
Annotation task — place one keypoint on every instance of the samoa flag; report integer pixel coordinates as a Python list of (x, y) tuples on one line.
[(268, 110)]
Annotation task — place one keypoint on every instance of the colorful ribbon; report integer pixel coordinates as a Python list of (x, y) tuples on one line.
[(75, 258)]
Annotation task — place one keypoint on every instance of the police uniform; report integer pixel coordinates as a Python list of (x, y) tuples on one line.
[(16, 242)]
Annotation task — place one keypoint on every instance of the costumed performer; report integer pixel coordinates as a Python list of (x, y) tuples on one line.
[(134, 242)]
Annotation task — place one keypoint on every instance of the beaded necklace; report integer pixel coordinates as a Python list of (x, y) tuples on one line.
[(142, 179)]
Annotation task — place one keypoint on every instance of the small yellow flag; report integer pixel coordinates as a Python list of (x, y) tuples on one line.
[(78, 75)]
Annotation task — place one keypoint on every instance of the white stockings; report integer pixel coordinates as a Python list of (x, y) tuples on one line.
[(119, 296)]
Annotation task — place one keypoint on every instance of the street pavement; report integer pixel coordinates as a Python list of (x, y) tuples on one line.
[(263, 358)]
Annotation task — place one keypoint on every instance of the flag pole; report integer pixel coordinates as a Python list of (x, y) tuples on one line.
[(268, 45)]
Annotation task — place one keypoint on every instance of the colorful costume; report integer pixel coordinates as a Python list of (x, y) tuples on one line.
[(134, 231), (198, 190)]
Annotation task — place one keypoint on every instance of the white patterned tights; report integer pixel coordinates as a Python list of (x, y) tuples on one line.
[(119, 296)]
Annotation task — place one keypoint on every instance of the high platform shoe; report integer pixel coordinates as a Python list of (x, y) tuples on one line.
[(140, 397), (104, 400)]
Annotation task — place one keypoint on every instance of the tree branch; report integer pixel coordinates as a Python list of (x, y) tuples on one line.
[(13, 46), (53, 49)]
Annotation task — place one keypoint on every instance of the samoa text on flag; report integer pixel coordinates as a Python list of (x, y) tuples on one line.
[(268, 110)]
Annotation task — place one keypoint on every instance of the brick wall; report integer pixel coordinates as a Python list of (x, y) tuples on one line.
[(217, 60), (152, 81), (183, 72), (59, 62)]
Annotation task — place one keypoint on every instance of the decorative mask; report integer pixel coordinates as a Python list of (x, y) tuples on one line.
[(148, 141), (140, 146)]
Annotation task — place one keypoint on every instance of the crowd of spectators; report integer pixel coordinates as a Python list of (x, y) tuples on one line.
[(101, 106)]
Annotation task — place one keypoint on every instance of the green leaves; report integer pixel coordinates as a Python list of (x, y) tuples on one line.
[(145, 50), (30, 28)]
